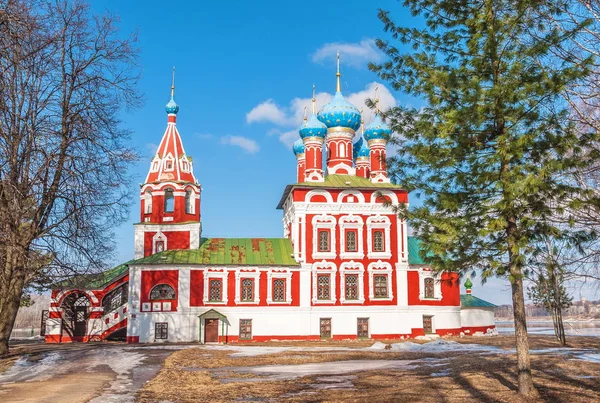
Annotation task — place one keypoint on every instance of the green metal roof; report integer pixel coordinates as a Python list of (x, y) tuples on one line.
[(230, 251), (95, 281), (471, 301), (337, 182), (414, 245)]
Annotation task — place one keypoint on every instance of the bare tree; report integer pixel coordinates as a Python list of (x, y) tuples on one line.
[(65, 76)]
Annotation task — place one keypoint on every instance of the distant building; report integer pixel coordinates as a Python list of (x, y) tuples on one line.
[(345, 268)]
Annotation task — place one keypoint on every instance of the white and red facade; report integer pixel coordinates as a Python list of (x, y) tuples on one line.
[(345, 268)]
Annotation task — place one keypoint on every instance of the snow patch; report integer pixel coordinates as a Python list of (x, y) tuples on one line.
[(589, 357), (428, 337), (378, 346), (24, 370)]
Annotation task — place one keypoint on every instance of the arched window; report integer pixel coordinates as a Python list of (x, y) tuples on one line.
[(342, 150), (169, 201), (115, 298), (429, 288), (162, 291), (189, 202), (148, 201)]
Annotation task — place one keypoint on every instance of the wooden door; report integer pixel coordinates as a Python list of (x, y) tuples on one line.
[(211, 330), (427, 324), (80, 321), (326, 328)]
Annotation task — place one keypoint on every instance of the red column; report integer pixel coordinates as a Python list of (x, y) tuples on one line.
[(378, 161), (363, 166), (339, 151), (301, 167), (313, 150)]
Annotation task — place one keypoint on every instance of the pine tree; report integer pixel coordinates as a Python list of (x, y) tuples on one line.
[(488, 149)]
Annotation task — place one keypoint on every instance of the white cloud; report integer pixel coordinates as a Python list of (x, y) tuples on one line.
[(267, 111), (386, 99), (248, 145), (205, 136), (353, 54)]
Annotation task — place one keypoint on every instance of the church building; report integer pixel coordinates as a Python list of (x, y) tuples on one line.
[(345, 267)]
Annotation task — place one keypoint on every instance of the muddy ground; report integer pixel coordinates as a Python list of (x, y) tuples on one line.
[(450, 370)]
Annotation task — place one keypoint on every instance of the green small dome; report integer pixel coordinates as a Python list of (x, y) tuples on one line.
[(468, 284)]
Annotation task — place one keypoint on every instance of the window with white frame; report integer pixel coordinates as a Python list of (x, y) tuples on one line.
[(215, 290), (430, 286), (380, 281), (169, 201), (189, 201), (246, 286), (378, 237), (279, 287), (159, 243), (352, 282), (324, 237), (323, 282), (351, 227), (169, 165), (148, 202)]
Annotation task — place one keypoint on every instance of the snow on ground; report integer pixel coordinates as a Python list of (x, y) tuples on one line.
[(24, 370), (253, 351), (589, 357)]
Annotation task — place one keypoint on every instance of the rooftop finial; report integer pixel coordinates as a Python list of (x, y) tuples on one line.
[(304, 118), (338, 87), (362, 121), (314, 101), (173, 84), (377, 99)]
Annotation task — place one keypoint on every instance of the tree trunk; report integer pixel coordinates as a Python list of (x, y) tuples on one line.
[(523, 362), (10, 300)]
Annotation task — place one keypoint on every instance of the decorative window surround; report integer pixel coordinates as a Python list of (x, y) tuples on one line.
[(351, 222), (240, 274), (328, 222), (380, 267), (352, 267), (155, 164), (319, 192), (169, 159), (345, 168), (378, 222), (216, 275), (273, 275), (156, 240), (437, 285), (360, 198), (324, 267)]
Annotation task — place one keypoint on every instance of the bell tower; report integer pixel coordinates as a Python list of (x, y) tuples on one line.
[(170, 196)]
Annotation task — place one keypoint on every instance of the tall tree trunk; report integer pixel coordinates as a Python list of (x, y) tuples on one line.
[(523, 362), (10, 300)]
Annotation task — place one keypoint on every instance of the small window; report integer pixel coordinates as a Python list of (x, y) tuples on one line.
[(427, 324), (168, 165), (325, 328), (161, 330), (351, 286), (169, 201), (159, 246), (363, 327), (115, 298), (429, 288), (342, 150), (245, 329), (162, 291), (184, 166), (350, 241), (247, 290), (189, 208), (323, 287), (148, 201), (378, 241), (381, 286), (279, 290), (215, 290), (155, 166), (323, 241)]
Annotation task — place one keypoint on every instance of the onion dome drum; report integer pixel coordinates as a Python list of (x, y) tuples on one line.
[(361, 149), (298, 147), (340, 113), (313, 128)]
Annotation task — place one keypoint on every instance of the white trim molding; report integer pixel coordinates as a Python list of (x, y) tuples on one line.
[(221, 274), (352, 267), (284, 275), (425, 273), (324, 267), (379, 222), (328, 222), (253, 274), (159, 237), (380, 267), (352, 222)]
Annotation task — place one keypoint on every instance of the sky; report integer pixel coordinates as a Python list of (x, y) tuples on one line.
[(244, 73)]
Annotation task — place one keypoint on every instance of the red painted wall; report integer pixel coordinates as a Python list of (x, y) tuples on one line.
[(150, 278), (175, 240), (450, 290)]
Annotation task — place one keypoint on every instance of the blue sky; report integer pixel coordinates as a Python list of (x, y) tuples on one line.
[(244, 72)]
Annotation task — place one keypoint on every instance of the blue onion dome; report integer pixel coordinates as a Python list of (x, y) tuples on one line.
[(340, 113), (361, 148), (377, 129), (298, 147), (313, 128), (172, 107)]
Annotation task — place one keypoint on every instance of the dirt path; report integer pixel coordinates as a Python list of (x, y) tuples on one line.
[(81, 373)]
